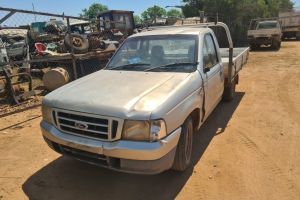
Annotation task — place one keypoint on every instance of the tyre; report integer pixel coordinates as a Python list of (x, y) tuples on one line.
[(276, 45), (279, 45), (52, 28), (79, 43), (55, 78), (3, 90), (229, 92), (253, 47), (183, 154)]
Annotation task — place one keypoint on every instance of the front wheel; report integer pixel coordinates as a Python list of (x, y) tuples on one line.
[(276, 45), (253, 47), (183, 154)]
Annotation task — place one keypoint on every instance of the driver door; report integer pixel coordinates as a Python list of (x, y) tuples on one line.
[(213, 73)]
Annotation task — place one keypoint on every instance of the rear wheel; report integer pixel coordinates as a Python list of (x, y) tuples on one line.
[(184, 149), (253, 47), (229, 92)]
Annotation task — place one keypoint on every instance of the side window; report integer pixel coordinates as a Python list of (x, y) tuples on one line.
[(107, 22), (210, 56)]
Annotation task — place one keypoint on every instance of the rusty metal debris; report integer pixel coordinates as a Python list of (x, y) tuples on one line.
[(13, 89), (61, 47)]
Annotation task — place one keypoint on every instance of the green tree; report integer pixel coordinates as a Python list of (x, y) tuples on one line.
[(275, 6), (137, 19), (191, 8), (93, 10), (236, 13), (235, 9), (153, 12), (174, 13)]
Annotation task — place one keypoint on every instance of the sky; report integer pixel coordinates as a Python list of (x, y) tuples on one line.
[(74, 7)]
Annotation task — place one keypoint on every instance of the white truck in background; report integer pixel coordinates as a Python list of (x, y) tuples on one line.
[(290, 23), (139, 114), (264, 32)]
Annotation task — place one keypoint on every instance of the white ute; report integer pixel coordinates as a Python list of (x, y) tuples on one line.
[(264, 32), (139, 114)]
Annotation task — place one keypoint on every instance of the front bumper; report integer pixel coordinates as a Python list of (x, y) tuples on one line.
[(127, 156), (266, 40), (260, 40)]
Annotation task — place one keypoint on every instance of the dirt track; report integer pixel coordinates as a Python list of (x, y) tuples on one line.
[(248, 149)]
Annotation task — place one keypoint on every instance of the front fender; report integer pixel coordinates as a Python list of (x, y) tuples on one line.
[(182, 101), (176, 117)]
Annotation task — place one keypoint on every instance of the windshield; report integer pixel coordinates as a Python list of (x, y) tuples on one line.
[(156, 53), (267, 25)]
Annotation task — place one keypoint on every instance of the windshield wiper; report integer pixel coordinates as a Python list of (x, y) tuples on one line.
[(129, 65), (172, 65)]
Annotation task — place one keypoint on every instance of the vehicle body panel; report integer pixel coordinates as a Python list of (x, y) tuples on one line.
[(240, 57), (151, 90), (290, 22), (264, 32), (261, 35), (15, 42)]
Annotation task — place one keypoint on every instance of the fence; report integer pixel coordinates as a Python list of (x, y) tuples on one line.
[(38, 40), (32, 43)]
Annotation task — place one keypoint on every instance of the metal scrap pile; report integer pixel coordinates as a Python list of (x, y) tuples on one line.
[(54, 37), (56, 50)]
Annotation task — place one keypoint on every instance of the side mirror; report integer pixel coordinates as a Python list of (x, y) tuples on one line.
[(206, 69)]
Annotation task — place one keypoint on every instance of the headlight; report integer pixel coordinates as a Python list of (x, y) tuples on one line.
[(136, 130), (144, 130), (47, 114)]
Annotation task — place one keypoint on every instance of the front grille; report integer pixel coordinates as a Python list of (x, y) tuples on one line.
[(86, 125), (262, 39)]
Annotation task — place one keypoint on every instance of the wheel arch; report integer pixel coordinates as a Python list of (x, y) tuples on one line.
[(192, 105), (196, 117)]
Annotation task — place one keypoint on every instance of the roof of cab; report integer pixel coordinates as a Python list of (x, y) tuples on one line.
[(174, 31)]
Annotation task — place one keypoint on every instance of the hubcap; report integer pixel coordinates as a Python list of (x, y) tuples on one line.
[(77, 42)]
